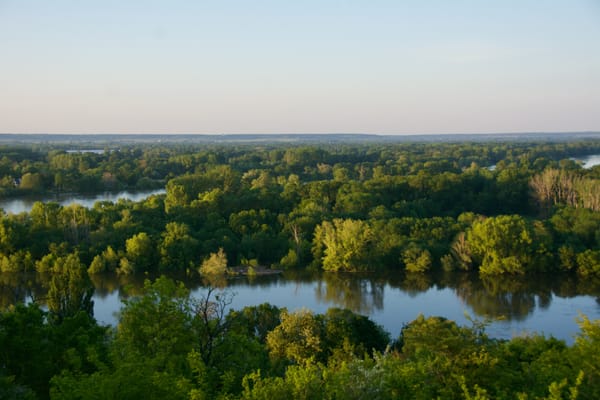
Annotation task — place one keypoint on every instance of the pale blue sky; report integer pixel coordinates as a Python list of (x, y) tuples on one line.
[(254, 66)]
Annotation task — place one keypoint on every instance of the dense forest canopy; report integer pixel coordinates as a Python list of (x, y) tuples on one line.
[(497, 208), (429, 206)]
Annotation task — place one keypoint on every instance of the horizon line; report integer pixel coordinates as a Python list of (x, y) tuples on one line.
[(302, 133)]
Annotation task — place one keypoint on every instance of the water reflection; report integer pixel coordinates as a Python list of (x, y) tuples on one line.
[(513, 298), (498, 298), (22, 288), (25, 203), (218, 281), (415, 283), (361, 295), (125, 285), (391, 298)]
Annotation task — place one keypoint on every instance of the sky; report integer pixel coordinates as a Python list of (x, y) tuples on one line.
[(309, 66)]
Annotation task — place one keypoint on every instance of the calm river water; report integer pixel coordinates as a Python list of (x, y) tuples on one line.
[(517, 306), (589, 161), (24, 204)]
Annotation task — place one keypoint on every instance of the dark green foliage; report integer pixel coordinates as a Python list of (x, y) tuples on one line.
[(24, 346), (70, 290), (410, 207), (352, 334), (255, 321), (158, 325), (33, 348), (303, 338), (361, 207)]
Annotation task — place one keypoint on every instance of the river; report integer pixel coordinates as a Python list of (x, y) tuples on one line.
[(547, 305), (24, 203), (588, 162)]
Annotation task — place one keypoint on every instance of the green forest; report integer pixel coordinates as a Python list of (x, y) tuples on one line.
[(509, 208)]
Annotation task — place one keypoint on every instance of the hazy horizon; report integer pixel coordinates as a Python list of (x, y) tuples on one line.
[(306, 133), (322, 67), (282, 135)]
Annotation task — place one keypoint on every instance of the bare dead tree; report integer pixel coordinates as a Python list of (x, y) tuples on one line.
[(210, 311), (553, 187)]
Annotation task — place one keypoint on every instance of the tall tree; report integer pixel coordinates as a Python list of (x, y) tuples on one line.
[(345, 245), (502, 244)]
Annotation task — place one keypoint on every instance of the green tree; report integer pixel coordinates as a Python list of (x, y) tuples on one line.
[(70, 289), (215, 264), (157, 326), (502, 244), (75, 221), (586, 356), (34, 348), (300, 382), (32, 181), (256, 321), (176, 197), (297, 339), (461, 252), (438, 351), (347, 333), (345, 245), (45, 215), (588, 263), (416, 259), (107, 261), (18, 261), (140, 250), (25, 354), (177, 248)]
